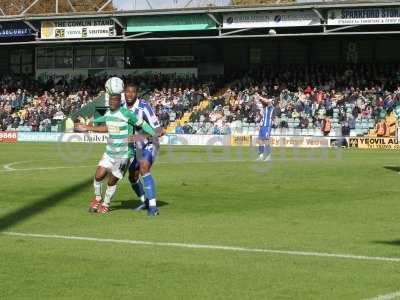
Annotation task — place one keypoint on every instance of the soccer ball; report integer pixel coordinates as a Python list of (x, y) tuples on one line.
[(114, 85)]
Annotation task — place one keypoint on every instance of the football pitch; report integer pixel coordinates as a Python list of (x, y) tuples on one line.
[(310, 224)]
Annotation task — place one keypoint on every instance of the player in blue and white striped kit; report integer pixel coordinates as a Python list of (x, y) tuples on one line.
[(146, 152), (264, 146)]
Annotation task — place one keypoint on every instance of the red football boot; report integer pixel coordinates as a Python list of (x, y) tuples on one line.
[(94, 205), (103, 209)]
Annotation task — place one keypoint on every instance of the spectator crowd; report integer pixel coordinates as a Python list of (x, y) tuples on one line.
[(305, 97), (40, 104)]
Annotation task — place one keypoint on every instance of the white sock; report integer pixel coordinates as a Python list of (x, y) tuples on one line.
[(110, 191), (97, 189), (152, 202), (142, 198)]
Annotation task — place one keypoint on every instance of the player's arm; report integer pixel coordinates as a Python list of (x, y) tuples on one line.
[(263, 100), (94, 128), (86, 128), (132, 119), (146, 127), (160, 131)]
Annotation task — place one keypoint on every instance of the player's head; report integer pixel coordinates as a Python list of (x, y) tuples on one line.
[(131, 92), (115, 101)]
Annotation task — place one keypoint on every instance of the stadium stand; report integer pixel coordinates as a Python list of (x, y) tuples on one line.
[(354, 95), (41, 105)]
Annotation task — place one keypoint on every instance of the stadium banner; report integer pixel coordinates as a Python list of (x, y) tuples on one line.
[(270, 19), (46, 74), (297, 141), (14, 29), (97, 138), (364, 16), (198, 139), (170, 23), (241, 140), (374, 143), (8, 136), (164, 140), (182, 139), (78, 29), (38, 136), (179, 72), (300, 142)]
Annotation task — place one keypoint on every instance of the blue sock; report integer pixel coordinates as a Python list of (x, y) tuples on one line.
[(268, 149), (138, 188), (261, 149), (150, 189)]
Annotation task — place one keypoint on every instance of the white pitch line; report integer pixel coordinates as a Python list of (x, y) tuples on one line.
[(208, 247), (386, 296), (45, 168), (8, 168)]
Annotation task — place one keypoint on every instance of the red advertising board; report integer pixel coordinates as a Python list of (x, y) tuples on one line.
[(8, 136)]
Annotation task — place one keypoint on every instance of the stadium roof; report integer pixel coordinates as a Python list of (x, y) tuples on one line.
[(24, 15), (121, 17)]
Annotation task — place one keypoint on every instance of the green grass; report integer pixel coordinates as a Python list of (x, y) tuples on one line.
[(346, 205)]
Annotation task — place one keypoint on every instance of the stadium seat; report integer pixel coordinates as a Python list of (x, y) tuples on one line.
[(317, 132), (297, 132)]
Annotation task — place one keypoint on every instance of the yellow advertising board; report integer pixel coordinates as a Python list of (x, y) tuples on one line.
[(240, 140), (374, 143)]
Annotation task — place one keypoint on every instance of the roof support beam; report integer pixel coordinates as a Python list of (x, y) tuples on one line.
[(29, 7), (118, 22), (341, 28), (70, 5), (318, 13), (104, 5), (136, 35), (188, 3), (235, 31), (31, 26), (2, 12), (149, 4), (212, 17)]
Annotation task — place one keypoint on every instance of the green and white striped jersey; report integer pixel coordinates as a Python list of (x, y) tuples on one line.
[(120, 124)]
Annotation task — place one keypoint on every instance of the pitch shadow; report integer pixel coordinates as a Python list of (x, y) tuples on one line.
[(390, 243), (132, 204), (392, 168), (32, 209)]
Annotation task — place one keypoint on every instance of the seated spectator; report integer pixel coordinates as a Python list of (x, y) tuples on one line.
[(326, 126), (179, 129)]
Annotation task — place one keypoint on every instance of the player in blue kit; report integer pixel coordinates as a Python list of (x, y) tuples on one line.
[(264, 146), (146, 152)]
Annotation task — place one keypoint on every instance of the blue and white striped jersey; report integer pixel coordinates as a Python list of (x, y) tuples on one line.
[(267, 112), (145, 112)]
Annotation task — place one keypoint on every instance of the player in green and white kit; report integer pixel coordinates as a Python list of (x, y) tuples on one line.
[(119, 122)]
